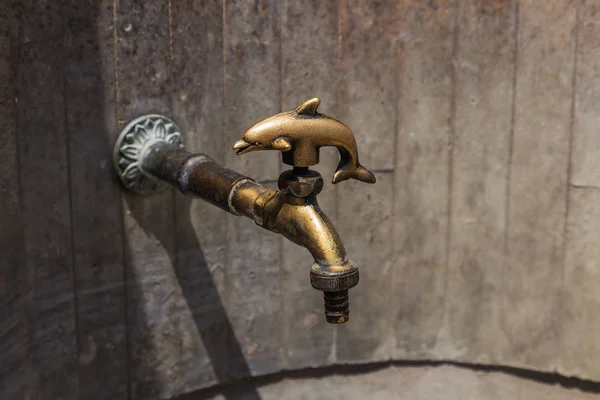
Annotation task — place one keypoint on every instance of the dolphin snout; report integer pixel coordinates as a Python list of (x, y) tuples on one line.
[(242, 146)]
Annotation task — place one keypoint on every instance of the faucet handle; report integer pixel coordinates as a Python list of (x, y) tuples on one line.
[(299, 134)]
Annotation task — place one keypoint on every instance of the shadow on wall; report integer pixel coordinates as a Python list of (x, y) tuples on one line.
[(207, 309), (208, 312)]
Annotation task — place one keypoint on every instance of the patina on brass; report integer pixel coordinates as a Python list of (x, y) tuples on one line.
[(299, 134), (292, 211)]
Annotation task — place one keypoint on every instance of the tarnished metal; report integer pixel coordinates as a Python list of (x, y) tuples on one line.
[(337, 306), (134, 141), (194, 174), (293, 211), (299, 134), (300, 182)]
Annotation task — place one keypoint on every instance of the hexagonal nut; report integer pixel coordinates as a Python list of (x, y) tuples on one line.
[(300, 185)]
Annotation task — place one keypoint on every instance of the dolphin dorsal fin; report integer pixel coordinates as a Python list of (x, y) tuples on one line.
[(309, 107)]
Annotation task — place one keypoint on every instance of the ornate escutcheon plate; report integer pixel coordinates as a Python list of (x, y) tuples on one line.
[(133, 141)]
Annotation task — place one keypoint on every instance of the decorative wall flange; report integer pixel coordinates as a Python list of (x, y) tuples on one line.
[(133, 141)]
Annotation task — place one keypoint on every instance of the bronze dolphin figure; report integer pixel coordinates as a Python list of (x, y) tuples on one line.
[(299, 134)]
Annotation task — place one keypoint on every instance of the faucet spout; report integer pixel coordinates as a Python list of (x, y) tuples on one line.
[(294, 213), (302, 221)]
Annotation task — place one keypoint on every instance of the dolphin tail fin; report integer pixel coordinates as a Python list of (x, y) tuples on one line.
[(360, 173)]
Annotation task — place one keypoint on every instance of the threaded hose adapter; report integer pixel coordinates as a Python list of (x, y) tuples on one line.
[(335, 294)]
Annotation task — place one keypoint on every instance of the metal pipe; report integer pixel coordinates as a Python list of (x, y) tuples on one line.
[(193, 174)]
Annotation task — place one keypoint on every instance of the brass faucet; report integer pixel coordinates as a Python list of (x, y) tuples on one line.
[(149, 152)]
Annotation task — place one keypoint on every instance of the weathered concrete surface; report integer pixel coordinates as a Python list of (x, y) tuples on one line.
[(580, 341), (98, 247), (46, 220), (425, 90), (406, 383), (481, 150), (476, 244), (537, 186), (13, 284)]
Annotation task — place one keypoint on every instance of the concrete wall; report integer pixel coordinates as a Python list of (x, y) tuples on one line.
[(478, 244)]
